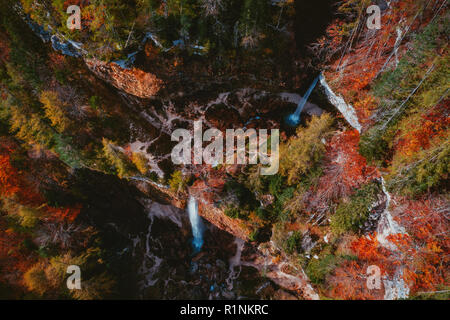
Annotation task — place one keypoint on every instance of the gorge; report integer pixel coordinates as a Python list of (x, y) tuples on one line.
[(88, 175)]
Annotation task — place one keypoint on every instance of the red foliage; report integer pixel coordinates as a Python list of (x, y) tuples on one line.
[(345, 163), (4, 47), (432, 126), (14, 182), (9, 182), (349, 282), (426, 249), (21, 185), (63, 214), (345, 169), (366, 53), (15, 260)]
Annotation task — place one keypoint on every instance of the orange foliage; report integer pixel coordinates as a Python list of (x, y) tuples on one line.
[(422, 254), (63, 214), (345, 171), (336, 34), (367, 248), (432, 126), (349, 282), (367, 54), (15, 260), (426, 249), (9, 183)]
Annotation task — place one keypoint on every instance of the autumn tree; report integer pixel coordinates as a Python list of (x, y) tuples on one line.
[(306, 149), (118, 159), (55, 110)]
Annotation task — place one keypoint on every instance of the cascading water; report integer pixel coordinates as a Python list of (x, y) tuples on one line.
[(294, 119), (345, 109), (395, 288), (196, 224)]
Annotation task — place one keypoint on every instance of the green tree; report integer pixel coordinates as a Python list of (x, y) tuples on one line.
[(177, 182), (117, 159), (351, 215), (304, 151), (55, 110), (140, 161)]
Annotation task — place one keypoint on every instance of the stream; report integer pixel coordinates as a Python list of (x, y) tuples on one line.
[(395, 288)]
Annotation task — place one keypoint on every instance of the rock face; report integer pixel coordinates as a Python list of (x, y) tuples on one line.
[(169, 268), (206, 191), (134, 81), (281, 272), (217, 217)]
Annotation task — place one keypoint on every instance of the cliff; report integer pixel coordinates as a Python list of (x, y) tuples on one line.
[(133, 81)]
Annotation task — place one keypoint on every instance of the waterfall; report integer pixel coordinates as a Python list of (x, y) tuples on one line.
[(294, 118), (196, 224), (387, 225), (235, 261), (395, 288), (345, 109)]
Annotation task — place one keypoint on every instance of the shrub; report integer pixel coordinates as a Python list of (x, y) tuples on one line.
[(118, 159), (236, 213), (305, 150), (29, 217), (177, 183), (55, 110), (94, 102), (351, 215), (318, 269), (293, 243), (35, 279), (140, 161)]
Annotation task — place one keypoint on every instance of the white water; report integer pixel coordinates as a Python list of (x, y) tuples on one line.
[(235, 261), (294, 118), (395, 288), (387, 225), (151, 263), (345, 109), (196, 224)]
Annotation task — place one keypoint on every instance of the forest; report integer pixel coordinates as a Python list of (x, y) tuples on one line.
[(86, 118)]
